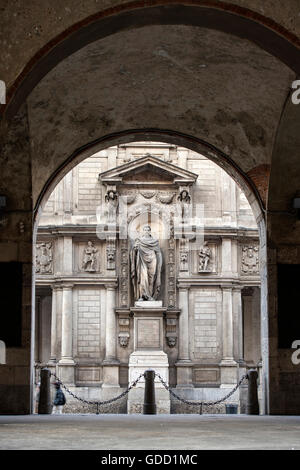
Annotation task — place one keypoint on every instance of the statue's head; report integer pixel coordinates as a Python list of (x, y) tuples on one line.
[(147, 228)]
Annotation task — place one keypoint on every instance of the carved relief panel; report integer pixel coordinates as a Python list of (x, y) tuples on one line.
[(87, 257), (44, 258), (249, 259), (205, 258)]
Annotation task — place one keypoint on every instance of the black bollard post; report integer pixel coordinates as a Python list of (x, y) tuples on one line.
[(252, 398), (149, 397), (45, 406)]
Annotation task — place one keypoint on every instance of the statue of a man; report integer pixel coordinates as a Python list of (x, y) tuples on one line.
[(146, 263), (89, 259), (204, 257)]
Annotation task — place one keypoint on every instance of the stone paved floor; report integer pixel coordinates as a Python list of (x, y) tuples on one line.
[(171, 432)]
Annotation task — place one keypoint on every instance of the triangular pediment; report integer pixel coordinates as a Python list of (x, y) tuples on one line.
[(149, 170)]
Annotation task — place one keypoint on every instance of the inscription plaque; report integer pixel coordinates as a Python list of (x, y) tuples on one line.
[(148, 333)]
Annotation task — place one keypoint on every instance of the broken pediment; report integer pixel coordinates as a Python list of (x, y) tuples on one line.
[(148, 170)]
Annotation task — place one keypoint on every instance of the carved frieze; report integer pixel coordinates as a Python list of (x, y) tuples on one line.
[(44, 257)]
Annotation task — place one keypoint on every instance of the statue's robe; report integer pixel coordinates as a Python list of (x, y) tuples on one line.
[(146, 262)]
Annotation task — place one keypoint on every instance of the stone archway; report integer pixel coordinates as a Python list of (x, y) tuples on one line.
[(259, 29)]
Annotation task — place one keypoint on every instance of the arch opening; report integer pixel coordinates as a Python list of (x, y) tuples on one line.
[(228, 278)]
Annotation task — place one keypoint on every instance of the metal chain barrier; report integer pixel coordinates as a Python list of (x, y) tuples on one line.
[(99, 403), (166, 386), (201, 403)]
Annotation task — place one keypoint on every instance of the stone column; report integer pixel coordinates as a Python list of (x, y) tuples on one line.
[(228, 364), (239, 345), (53, 325), (238, 324), (67, 363), (184, 370), (111, 363)]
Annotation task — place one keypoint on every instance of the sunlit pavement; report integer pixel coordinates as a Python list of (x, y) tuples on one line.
[(127, 432)]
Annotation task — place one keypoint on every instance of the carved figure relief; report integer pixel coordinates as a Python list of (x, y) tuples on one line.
[(89, 262), (111, 199), (204, 257), (185, 205), (250, 259), (44, 258), (124, 281)]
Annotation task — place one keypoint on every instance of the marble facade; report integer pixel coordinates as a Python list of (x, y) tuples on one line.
[(89, 329)]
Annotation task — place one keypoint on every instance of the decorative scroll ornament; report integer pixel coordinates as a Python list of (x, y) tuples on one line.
[(250, 259), (44, 258), (89, 262)]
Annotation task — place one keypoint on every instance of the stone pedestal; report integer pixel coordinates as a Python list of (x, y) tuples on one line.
[(148, 354)]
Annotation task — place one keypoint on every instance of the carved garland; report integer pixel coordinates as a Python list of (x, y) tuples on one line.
[(171, 271), (124, 277)]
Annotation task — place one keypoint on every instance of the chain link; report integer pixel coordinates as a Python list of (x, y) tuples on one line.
[(99, 403), (200, 403)]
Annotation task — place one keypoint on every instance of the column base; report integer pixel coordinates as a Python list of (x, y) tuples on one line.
[(228, 370), (66, 371), (110, 375), (184, 374)]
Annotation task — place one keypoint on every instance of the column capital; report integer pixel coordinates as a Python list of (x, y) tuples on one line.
[(56, 287), (227, 288), (111, 286), (182, 286), (237, 288), (67, 286)]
